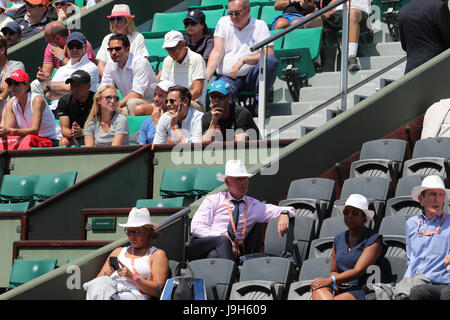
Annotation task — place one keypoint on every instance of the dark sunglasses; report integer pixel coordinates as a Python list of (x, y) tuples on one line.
[(217, 96), (61, 4), (33, 5), (9, 32), (133, 232), (190, 23), (77, 46), (111, 49), (11, 83), (234, 13), (172, 101), (354, 213), (115, 98), (118, 19)]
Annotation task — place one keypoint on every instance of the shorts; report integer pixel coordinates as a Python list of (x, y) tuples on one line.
[(334, 22), (289, 16)]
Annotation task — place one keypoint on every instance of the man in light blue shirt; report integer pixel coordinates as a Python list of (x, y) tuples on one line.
[(428, 241)]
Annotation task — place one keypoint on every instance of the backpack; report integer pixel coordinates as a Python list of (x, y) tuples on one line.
[(183, 287)]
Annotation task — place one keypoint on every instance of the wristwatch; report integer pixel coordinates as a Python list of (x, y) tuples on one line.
[(285, 212), (48, 86), (61, 58), (243, 61)]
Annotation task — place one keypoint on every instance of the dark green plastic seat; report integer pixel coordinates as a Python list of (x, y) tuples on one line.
[(155, 49), (166, 21), (160, 203), (304, 38), (135, 122), (212, 17), (268, 13), (177, 182), (25, 270), (210, 4), (206, 180), (17, 188), (48, 185), (19, 206)]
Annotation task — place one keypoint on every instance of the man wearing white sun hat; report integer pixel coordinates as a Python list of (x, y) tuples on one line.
[(224, 220), (428, 241)]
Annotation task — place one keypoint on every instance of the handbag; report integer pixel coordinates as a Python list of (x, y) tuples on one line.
[(184, 287)]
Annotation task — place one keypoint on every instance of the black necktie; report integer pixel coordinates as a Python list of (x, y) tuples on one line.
[(235, 215)]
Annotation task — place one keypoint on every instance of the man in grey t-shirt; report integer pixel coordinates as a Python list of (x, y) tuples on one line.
[(6, 68)]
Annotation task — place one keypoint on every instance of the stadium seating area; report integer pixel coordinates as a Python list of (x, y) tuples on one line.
[(384, 170)]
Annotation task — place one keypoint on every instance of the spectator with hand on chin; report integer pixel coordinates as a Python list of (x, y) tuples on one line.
[(65, 9)]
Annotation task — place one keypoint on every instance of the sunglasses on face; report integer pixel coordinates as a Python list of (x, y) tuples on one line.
[(217, 96), (133, 232), (77, 46), (32, 5), (117, 49), (109, 98), (118, 19), (354, 213), (234, 13), (8, 32), (190, 23), (172, 101), (61, 4), (11, 83)]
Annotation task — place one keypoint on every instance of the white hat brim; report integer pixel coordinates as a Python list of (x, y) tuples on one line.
[(369, 213), (222, 177), (416, 191), (137, 225)]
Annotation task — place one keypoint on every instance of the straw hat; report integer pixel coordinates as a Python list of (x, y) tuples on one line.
[(430, 182), (138, 218), (121, 10), (358, 201), (234, 168)]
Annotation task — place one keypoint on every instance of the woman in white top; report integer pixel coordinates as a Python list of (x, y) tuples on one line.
[(27, 113), (144, 267), (104, 126), (121, 21)]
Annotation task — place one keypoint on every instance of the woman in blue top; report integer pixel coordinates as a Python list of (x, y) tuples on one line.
[(353, 251)]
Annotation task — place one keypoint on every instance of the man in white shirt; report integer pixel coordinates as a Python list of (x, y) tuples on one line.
[(76, 48), (231, 57), (180, 124), (132, 75), (185, 68)]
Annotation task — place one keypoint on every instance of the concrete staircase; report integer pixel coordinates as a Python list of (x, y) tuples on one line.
[(382, 62)]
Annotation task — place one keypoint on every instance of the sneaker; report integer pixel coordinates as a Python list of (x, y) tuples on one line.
[(353, 63)]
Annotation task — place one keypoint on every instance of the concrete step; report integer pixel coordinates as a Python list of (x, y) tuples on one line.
[(378, 62), (381, 49)]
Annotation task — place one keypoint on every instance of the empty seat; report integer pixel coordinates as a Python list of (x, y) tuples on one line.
[(218, 274), (393, 230), (311, 269), (25, 270), (212, 17), (263, 279), (267, 15), (402, 203), (312, 197), (177, 182), (166, 21), (206, 180), (135, 122), (381, 158), (17, 188), (210, 4), (48, 185), (160, 203), (19, 206), (322, 246), (430, 156)]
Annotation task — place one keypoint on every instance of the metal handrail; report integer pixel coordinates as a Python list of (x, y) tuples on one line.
[(281, 33)]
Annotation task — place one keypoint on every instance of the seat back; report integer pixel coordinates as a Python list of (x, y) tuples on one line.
[(406, 184), (312, 188), (206, 180), (309, 38), (135, 122), (160, 203), (315, 268), (373, 188), (267, 15), (389, 149), (332, 226), (432, 147), (177, 182), (212, 17), (393, 225), (25, 270), (218, 274), (166, 21), (155, 49), (17, 188), (48, 185), (278, 44), (19, 206), (274, 269), (404, 206)]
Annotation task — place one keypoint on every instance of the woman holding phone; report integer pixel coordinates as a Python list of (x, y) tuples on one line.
[(136, 272)]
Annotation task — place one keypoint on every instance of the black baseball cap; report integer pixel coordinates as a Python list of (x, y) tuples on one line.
[(196, 15), (79, 76)]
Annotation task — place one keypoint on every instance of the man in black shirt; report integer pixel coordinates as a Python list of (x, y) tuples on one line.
[(74, 108), (227, 121)]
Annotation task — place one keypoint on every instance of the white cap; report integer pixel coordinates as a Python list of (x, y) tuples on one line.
[(172, 38), (163, 85), (234, 168), (138, 218), (358, 201), (430, 182)]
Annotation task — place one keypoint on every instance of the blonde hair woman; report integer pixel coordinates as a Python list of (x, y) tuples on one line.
[(121, 21), (104, 125)]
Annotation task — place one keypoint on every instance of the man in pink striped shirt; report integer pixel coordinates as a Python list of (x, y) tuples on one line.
[(215, 234)]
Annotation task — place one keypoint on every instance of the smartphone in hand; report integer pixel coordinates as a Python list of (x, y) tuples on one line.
[(114, 263)]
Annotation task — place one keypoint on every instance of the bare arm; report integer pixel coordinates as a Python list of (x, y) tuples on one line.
[(129, 96), (118, 139), (107, 270), (197, 88), (101, 67), (65, 126), (160, 271), (281, 4), (89, 141), (215, 57)]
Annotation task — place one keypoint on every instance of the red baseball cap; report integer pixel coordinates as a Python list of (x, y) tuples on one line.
[(45, 3), (19, 76)]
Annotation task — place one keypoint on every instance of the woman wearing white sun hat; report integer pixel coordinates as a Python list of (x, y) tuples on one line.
[(143, 267), (353, 251)]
